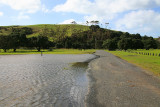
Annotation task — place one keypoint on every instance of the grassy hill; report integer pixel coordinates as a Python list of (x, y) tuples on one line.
[(67, 30)]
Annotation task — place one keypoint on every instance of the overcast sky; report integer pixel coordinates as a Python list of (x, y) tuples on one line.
[(133, 16)]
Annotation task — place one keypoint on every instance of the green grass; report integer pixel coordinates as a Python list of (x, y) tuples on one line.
[(38, 28), (151, 63), (55, 51), (155, 51)]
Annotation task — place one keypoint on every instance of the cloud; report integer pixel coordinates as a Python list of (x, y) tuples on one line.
[(142, 21), (158, 2), (95, 17), (45, 10), (134, 16), (28, 6), (71, 20), (22, 16), (77, 6), (1, 13), (67, 21), (105, 9)]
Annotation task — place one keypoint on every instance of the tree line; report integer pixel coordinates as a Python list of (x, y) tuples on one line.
[(95, 38), (18, 38), (100, 38)]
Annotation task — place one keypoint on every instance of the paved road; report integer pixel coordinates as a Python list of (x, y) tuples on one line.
[(117, 83)]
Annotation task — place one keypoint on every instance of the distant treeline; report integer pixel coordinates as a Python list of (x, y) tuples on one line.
[(99, 38), (95, 38)]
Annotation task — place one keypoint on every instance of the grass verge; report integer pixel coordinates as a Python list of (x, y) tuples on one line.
[(55, 51), (155, 51), (151, 63)]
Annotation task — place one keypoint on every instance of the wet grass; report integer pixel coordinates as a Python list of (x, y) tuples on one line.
[(151, 63), (80, 65), (55, 51)]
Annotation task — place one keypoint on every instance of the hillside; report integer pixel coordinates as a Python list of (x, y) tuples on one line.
[(53, 29), (71, 36)]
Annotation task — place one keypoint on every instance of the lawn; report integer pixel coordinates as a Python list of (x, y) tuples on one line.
[(151, 63), (54, 51), (155, 51)]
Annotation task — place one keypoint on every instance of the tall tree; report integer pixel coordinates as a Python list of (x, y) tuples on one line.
[(125, 43), (73, 22), (110, 44), (87, 22), (96, 22), (18, 39), (4, 42)]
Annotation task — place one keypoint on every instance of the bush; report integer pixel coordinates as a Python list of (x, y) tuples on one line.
[(50, 49), (110, 44)]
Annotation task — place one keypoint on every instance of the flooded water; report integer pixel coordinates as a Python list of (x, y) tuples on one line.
[(47, 81)]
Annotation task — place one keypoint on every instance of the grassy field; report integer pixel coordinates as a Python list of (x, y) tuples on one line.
[(55, 51), (70, 28), (155, 51), (151, 63)]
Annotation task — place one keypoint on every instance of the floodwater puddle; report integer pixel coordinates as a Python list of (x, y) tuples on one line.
[(34, 80)]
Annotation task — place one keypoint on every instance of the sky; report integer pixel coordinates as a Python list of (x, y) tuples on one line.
[(133, 16)]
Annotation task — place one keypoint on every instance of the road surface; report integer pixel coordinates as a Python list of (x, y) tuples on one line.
[(117, 83)]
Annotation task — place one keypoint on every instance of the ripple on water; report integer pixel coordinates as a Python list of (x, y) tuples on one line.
[(32, 80)]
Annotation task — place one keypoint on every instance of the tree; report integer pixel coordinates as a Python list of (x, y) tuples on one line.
[(115, 35), (125, 43), (96, 22), (94, 28), (4, 42), (137, 44), (27, 30), (158, 42), (73, 22), (106, 24), (42, 42), (136, 36), (92, 22), (17, 39), (87, 22), (110, 44), (149, 42), (125, 35)]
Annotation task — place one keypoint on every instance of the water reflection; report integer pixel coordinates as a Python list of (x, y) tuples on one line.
[(32, 80)]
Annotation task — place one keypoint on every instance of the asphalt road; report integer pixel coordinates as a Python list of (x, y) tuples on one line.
[(117, 83)]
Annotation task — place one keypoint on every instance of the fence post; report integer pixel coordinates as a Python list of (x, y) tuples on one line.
[(41, 53)]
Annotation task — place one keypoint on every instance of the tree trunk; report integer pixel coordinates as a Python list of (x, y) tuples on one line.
[(39, 49), (14, 50), (5, 50)]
